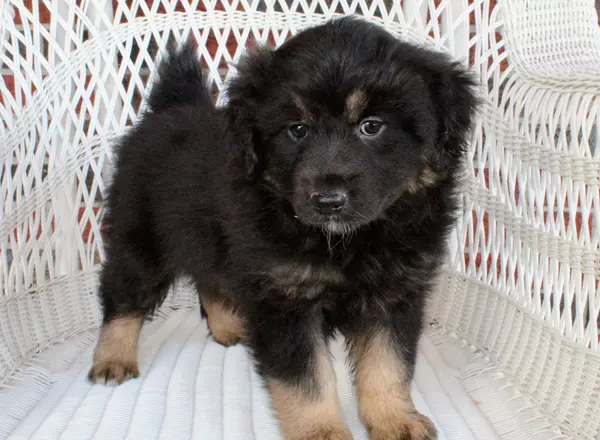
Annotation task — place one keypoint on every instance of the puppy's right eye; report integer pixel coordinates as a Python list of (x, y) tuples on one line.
[(298, 131), (371, 127)]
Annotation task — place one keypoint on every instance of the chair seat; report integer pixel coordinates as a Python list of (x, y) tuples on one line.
[(192, 387)]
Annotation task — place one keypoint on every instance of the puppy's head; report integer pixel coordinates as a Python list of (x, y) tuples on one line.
[(344, 119)]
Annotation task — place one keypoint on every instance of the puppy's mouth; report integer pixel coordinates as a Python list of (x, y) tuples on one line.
[(332, 224), (334, 211), (337, 227)]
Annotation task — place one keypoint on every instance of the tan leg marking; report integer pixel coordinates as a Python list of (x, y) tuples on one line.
[(115, 357), (310, 417), (225, 324), (383, 387)]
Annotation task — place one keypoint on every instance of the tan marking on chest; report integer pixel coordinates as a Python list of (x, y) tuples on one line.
[(305, 279)]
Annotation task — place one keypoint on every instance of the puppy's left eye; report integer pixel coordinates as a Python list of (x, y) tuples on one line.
[(298, 131), (371, 127)]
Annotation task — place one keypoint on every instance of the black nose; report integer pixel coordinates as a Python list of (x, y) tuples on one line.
[(327, 203)]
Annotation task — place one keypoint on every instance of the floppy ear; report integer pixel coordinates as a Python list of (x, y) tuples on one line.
[(243, 99), (241, 138), (453, 92)]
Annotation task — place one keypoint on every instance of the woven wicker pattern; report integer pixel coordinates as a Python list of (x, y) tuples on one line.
[(522, 284)]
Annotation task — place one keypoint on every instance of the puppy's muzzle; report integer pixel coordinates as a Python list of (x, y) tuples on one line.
[(329, 202)]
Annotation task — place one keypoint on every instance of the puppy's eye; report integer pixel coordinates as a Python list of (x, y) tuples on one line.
[(371, 127), (298, 131)]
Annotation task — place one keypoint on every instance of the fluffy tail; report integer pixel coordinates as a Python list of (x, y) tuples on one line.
[(180, 81)]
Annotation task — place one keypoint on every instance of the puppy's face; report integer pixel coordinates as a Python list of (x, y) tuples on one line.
[(344, 119), (342, 157)]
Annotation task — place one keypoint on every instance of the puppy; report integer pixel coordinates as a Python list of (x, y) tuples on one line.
[(317, 200)]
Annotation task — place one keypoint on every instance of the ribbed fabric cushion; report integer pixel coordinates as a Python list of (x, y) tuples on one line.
[(192, 387)]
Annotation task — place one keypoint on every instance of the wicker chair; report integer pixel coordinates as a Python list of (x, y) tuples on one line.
[(512, 351)]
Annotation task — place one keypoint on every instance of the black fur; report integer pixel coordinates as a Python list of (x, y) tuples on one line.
[(180, 82), (224, 196)]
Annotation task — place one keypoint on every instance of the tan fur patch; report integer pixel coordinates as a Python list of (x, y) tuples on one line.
[(427, 177), (115, 357), (298, 272), (356, 102), (304, 416), (383, 386), (225, 324), (305, 279), (302, 108)]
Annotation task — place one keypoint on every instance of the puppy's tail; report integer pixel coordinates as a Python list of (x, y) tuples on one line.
[(180, 81)]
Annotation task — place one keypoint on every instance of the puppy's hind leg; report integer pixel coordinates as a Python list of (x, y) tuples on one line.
[(224, 321), (128, 292)]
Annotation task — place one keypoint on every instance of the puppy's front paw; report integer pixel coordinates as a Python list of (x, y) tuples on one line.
[(341, 433), (411, 427), (113, 372), (338, 434), (115, 355)]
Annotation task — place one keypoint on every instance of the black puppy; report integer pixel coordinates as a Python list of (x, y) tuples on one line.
[(318, 199)]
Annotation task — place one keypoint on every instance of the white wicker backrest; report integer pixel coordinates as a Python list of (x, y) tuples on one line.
[(522, 284), (555, 39)]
